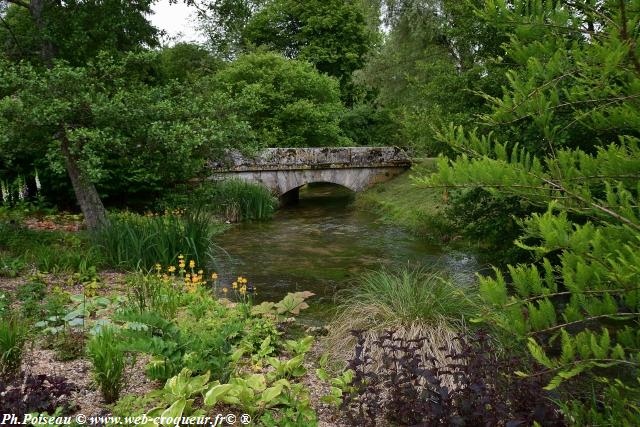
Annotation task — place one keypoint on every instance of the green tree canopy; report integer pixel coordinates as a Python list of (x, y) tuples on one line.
[(75, 30), (435, 57), (287, 103), (331, 34), (124, 135)]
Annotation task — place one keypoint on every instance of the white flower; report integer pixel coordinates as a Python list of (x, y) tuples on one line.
[(5, 191), (22, 189)]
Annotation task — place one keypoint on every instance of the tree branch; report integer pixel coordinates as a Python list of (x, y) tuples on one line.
[(20, 3), (13, 36), (587, 319)]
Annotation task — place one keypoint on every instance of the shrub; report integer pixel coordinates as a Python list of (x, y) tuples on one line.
[(415, 303), (407, 391), (149, 333), (12, 339), (134, 241), (37, 393), (50, 251), (241, 201), (493, 221), (11, 266), (108, 361)]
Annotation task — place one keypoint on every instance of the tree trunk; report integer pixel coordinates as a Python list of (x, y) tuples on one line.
[(95, 215), (47, 51)]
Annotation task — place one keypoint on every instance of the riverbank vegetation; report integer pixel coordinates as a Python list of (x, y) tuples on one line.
[(530, 108), (397, 202), (415, 304)]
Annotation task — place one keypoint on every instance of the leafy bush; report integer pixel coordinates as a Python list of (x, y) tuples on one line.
[(211, 342), (13, 334), (286, 103), (11, 266), (150, 333), (413, 302), (48, 251), (491, 221), (134, 241), (36, 393), (108, 359), (408, 391), (202, 345)]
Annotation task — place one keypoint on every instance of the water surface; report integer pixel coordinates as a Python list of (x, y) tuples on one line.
[(322, 244)]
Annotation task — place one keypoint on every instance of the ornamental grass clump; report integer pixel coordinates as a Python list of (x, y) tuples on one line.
[(12, 339), (108, 360), (413, 302)]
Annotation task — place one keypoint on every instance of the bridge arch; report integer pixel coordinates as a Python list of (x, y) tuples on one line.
[(298, 179), (293, 194)]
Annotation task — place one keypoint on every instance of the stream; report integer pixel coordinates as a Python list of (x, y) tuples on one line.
[(323, 244)]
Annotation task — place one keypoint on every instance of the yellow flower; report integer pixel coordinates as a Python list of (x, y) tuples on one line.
[(158, 267), (180, 256), (181, 264), (192, 264), (243, 290), (195, 278), (214, 276), (186, 276), (234, 285), (172, 268), (200, 272), (225, 290)]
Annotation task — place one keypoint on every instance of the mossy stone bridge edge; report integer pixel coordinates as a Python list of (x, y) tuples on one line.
[(285, 170)]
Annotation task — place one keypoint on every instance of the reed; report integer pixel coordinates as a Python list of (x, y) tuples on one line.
[(134, 241), (243, 201)]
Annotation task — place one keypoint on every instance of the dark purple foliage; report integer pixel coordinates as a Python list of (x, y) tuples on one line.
[(409, 391), (36, 393)]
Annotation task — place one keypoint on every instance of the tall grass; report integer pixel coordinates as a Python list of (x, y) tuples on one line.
[(241, 201), (12, 338), (134, 241), (412, 302), (108, 361)]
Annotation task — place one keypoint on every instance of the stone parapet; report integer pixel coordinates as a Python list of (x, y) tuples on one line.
[(312, 158)]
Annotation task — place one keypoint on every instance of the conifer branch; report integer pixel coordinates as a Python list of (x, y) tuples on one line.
[(586, 319), (557, 294)]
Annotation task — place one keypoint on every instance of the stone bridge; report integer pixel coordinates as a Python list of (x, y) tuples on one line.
[(285, 170)]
